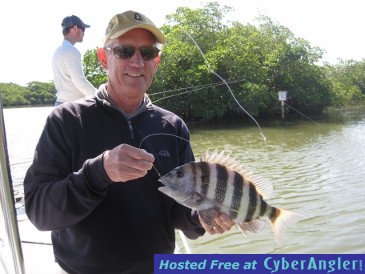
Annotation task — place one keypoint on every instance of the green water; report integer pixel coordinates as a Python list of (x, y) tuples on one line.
[(317, 168)]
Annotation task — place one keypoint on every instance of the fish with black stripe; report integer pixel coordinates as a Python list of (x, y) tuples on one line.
[(218, 184)]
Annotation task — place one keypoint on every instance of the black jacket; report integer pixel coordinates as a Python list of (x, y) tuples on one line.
[(99, 226)]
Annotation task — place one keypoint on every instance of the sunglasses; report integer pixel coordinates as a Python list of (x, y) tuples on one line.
[(126, 52)]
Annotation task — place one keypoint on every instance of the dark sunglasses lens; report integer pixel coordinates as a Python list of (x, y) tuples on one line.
[(124, 52), (148, 52)]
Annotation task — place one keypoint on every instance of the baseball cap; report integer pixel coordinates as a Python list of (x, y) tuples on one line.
[(129, 20), (73, 20)]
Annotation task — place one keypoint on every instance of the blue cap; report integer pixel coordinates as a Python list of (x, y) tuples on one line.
[(73, 20)]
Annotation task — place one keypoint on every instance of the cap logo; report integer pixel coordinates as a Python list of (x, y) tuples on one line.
[(121, 23), (137, 17)]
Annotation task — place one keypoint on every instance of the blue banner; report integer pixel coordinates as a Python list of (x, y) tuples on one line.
[(259, 263)]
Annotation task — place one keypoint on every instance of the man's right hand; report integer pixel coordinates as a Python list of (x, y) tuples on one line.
[(124, 163)]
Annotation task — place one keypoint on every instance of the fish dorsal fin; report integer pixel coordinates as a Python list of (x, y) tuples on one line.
[(263, 186)]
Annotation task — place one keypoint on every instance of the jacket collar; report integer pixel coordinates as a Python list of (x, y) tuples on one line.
[(102, 94)]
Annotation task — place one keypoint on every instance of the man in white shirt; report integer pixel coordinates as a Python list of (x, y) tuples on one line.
[(69, 79)]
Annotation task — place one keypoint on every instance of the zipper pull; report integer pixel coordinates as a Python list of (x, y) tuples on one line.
[(130, 129)]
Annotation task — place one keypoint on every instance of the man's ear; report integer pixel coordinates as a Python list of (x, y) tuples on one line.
[(156, 62), (102, 57)]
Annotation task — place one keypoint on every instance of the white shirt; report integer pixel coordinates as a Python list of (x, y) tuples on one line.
[(69, 78)]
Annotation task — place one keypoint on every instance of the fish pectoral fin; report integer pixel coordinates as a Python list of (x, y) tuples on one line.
[(208, 216), (254, 226)]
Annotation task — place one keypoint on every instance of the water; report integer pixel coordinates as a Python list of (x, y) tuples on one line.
[(23, 127), (318, 169)]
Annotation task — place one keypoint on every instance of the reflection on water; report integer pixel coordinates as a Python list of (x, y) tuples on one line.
[(317, 168)]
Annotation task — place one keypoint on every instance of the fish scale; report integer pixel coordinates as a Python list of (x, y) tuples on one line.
[(205, 175), (221, 183), (252, 204), (236, 196)]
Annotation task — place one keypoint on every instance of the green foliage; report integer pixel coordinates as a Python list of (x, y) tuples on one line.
[(41, 93), (35, 93), (256, 61), (210, 68), (348, 83), (92, 69), (345, 95), (12, 94)]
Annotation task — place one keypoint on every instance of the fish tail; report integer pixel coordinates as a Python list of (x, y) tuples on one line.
[(280, 221)]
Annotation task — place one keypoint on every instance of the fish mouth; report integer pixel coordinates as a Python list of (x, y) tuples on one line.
[(164, 190), (170, 193), (163, 181)]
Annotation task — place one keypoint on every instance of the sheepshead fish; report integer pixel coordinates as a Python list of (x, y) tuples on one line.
[(219, 183)]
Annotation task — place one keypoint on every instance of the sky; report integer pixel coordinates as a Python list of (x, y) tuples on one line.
[(31, 29)]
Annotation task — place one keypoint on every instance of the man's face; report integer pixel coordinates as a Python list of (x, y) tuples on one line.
[(130, 77)]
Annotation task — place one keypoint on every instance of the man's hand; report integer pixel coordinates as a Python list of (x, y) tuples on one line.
[(124, 163), (222, 223)]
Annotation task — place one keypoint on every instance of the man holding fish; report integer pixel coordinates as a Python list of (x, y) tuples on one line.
[(94, 177)]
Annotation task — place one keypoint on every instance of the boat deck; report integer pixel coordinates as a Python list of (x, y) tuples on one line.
[(37, 248)]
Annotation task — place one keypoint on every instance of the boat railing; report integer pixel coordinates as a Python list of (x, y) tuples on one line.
[(11, 255)]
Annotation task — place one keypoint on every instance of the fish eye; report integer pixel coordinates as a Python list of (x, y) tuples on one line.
[(179, 173)]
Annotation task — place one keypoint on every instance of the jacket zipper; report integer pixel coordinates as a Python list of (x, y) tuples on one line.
[(131, 129)]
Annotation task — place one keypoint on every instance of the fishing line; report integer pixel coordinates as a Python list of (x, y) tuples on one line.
[(224, 81), (297, 111), (231, 92), (158, 134), (174, 95), (187, 248), (302, 114), (21, 163), (190, 89), (235, 99), (181, 234)]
